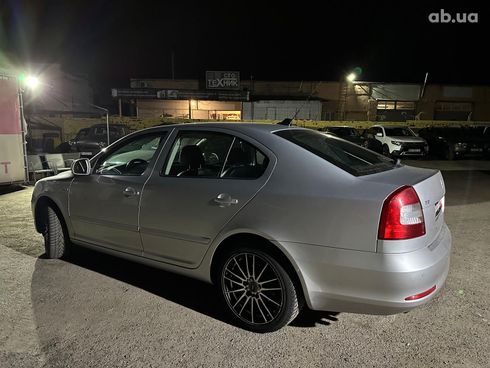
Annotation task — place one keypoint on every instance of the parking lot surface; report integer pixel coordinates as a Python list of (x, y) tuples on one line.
[(99, 311)]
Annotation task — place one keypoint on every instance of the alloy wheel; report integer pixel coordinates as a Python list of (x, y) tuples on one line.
[(253, 289)]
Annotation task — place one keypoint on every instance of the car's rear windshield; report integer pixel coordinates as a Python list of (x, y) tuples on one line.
[(354, 159)]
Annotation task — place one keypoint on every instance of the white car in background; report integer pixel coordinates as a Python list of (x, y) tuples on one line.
[(399, 141)]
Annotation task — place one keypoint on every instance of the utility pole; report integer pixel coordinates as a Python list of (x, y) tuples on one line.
[(172, 61), (106, 120)]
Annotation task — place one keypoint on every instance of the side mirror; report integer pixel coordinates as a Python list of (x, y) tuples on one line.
[(379, 134), (81, 167)]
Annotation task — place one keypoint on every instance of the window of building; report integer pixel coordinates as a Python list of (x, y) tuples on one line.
[(405, 105), (453, 106), (386, 105), (396, 105)]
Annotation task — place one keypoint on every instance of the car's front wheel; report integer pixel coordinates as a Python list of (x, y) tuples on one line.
[(55, 242), (259, 293), (386, 150)]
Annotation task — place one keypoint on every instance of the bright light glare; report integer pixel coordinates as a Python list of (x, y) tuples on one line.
[(31, 82), (351, 77)]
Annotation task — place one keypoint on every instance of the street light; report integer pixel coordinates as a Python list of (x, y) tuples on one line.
[(25, 82), (31, 82), (351, 77)]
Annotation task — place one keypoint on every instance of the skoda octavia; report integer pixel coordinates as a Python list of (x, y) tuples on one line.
[(276, 217)]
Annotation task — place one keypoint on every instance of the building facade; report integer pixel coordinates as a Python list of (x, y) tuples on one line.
[(309, 100)]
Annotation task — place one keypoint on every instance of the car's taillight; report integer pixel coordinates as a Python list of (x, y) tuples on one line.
[(402, 216)]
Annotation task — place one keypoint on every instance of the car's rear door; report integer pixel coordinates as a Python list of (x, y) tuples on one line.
[(182, 210), (104, 205)]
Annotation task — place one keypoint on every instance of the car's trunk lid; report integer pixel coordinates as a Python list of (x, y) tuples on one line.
[(430, 188)]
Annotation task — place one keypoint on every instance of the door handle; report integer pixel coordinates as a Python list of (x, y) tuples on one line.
[(225, 200), (130, 192)]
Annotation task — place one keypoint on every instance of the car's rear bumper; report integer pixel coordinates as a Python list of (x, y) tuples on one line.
[(366, 282)]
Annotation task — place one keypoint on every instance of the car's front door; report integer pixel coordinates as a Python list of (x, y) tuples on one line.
[(206, 177), (104, 205)]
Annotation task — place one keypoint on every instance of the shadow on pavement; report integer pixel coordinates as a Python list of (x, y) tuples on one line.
[(310, 318), (56, 285), (6, 189)]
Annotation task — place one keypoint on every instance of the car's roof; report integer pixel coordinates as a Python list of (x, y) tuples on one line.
[(259, 127), (390, 126), (104, 125)]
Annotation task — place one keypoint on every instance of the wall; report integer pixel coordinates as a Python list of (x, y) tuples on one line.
[(358, 103), (282, 109)]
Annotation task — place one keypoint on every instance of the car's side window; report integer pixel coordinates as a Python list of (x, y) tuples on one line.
[(244, 161), (99, 131), (214, 155), (198, 153), (132, 158), (83, 133)]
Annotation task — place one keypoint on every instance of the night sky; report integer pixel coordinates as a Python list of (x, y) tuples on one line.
[(113, 41)]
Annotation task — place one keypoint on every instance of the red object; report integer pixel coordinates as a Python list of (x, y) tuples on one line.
[(402, 216), (421, 295), (9, 107)]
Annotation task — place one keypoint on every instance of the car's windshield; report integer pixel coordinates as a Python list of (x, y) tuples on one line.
[(139, 150), (399, 132), (82, 134), (348, 156)]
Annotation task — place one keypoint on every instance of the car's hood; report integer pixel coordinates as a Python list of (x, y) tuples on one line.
[(463, 139), (61, 176), (407, 139)]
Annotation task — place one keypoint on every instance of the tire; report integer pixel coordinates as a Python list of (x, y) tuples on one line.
[(386, 150), (245, 298), (55, 243)]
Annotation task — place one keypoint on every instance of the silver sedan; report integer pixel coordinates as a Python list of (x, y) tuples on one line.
[(276, 217)]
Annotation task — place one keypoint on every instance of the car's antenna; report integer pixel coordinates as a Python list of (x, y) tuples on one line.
[(289, 121)]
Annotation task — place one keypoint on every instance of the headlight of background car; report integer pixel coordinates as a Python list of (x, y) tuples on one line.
[(396, 143), (460, 146)]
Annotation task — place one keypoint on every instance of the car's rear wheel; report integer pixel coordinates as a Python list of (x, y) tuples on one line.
[(259, 293), (55, 242)]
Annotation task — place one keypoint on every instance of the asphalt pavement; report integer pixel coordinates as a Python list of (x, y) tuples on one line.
[(99, 311)]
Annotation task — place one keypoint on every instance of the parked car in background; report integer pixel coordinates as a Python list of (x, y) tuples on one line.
[(456, 142), (345, 132), (260, 211), (399, 141), (353, 135), (91, 140), (370, 141)]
